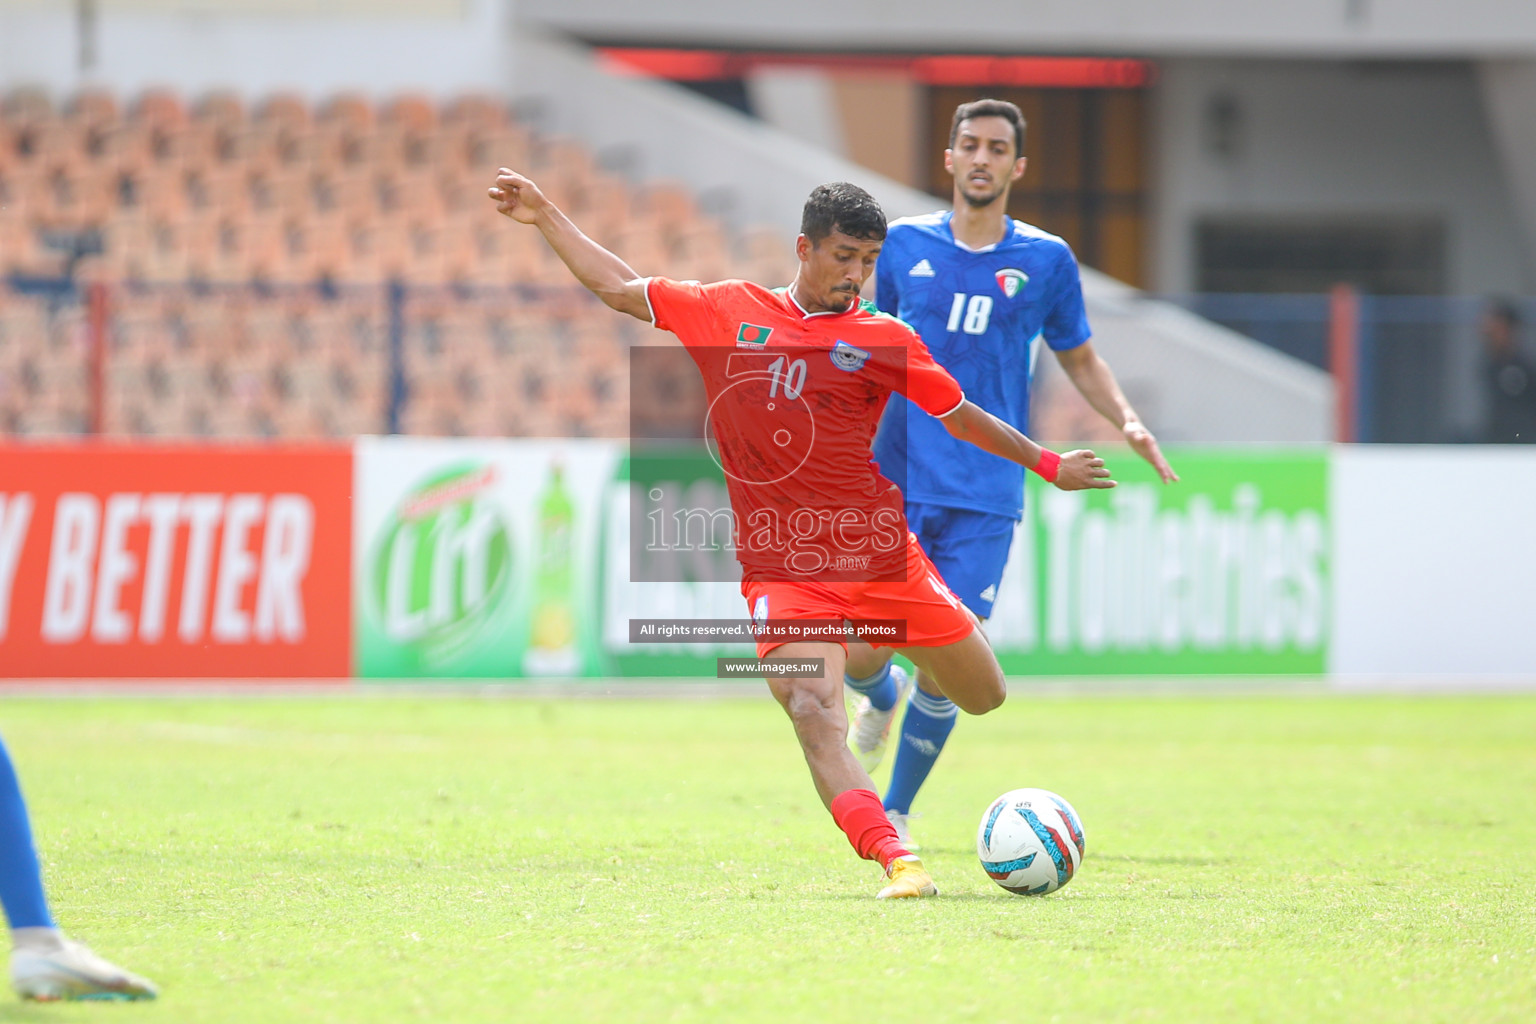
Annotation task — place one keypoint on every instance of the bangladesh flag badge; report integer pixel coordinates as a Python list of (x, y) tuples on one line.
[(1012, 281), (753, 335)]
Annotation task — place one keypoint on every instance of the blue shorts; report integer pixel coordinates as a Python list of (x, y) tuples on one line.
[(968, 548)]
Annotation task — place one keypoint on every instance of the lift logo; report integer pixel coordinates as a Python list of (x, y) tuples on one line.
[(442, 563)]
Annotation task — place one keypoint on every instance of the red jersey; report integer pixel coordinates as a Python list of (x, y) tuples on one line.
[(794, 401)]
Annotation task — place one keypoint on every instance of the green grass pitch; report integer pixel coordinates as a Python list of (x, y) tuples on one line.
[(454, 859)]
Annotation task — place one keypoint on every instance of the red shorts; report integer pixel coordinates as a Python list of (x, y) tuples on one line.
[(933, 615)]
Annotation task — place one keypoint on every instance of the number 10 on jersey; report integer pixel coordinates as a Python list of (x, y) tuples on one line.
[(970, 313), (794, 378)]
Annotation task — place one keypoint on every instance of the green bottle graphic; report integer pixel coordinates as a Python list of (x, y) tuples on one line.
[(552, 642)]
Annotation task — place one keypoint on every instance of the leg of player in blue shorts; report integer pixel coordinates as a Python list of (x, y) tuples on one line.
[(970, 550), (46, 965)]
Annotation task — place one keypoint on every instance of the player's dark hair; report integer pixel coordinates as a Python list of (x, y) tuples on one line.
[(1503, 308), (990, 108), (840, 206)]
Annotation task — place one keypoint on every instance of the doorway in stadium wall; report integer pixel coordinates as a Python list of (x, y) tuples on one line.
[(1087, 174)]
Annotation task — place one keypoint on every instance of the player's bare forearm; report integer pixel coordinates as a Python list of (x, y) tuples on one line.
[(600, 271), (1078, 470), (1096, 382), (1093, 378), (971, 423)]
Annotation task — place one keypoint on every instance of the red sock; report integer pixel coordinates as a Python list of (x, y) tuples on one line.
[(859, 814)]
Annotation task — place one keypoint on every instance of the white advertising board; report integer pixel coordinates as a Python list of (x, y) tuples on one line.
[(1434, 562)]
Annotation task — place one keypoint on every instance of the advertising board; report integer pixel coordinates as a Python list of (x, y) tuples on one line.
[(174, 561), (477, 559)]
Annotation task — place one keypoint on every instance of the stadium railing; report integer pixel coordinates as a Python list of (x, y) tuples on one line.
[(310, 361), (195, 359), (1416, 360)]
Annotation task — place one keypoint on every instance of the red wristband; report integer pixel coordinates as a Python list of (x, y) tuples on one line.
[(1048, 466)]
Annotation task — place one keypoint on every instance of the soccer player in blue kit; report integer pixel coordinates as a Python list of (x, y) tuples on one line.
[(46, 965), (979, 287)]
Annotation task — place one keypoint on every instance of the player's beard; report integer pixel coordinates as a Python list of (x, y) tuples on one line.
[(852, 295), (984, 200)]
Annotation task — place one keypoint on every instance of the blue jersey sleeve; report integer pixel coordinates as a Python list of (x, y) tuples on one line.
[(1066, 325), (887, 298)]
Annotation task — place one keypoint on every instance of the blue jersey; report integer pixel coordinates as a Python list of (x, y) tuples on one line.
[(979, 312)]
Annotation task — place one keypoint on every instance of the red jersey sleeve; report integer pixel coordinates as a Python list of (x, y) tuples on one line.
[(928, 385), (682, 307)]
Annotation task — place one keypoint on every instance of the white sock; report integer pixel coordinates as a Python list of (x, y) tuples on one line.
[(37, 940)]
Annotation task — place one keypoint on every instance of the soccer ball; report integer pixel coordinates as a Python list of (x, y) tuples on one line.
[(1030, 842)]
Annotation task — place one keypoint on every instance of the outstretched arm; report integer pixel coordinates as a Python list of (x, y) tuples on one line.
[(1091, 375), (603, 273), (1078, 470)]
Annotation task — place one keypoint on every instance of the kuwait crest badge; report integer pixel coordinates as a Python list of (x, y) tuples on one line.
[(752, 336), (1012, 281)]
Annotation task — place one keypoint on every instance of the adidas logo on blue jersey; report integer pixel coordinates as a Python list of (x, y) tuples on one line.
[(922, 269), (990, 594)]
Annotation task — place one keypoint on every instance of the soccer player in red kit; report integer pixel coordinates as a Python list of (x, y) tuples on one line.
[(797, 379)]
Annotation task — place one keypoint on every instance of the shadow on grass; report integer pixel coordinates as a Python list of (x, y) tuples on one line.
[(935, 850), (1188, 862), (944, 897), (27, 1013)]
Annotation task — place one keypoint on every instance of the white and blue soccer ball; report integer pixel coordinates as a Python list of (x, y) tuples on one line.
[(1030, 842)]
